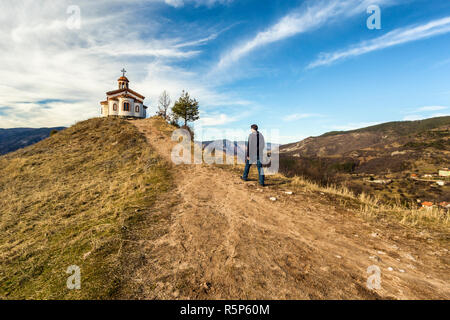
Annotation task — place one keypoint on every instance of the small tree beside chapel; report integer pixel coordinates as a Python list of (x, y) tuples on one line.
[(186, 108)]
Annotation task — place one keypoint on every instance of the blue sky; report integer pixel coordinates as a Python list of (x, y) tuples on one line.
[(300, 67)]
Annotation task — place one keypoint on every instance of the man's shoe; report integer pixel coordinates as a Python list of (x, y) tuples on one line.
[(242, 178)]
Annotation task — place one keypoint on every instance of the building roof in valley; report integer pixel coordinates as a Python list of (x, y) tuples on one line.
[(427, 204)]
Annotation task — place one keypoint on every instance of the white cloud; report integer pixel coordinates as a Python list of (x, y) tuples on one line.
[(413, 117), (432, 108), (392, 38), (215, 120), (425, 112), (441, 114), (311, 15), (353, 126), (161, 76), (208, 3), (298, 116), (285, 139), (175, 3), (42, 60), (205, 133)]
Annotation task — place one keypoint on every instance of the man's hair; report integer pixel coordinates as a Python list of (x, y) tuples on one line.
[(254, 127)]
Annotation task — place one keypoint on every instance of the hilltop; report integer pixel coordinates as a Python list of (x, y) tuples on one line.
[(105, 196), (389, 151), (68, 200)]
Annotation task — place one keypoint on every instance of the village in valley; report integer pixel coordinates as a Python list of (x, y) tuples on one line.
[(440, 179), (437, 182)]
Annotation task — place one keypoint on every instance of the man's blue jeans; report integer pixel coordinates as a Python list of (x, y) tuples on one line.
[(260, 171)]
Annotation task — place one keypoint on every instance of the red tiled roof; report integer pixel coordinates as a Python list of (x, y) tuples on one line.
[(128, 96), (125, 89)]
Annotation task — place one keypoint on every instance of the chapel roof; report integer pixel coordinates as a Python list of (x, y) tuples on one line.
[(125, 90)]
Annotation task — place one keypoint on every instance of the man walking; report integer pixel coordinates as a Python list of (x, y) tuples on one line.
[(254, 153)]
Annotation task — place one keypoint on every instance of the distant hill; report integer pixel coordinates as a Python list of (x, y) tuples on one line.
[(433, 132), (389, 150), (16, 138), (400, 128)]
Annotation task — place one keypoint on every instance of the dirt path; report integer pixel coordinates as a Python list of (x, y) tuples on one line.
[(221, 238)]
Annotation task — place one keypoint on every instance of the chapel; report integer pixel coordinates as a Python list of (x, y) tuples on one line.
[(124, 102)]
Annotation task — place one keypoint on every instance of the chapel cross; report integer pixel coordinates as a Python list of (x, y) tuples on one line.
[(123, 71)]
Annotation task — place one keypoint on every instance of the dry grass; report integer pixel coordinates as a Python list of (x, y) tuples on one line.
[(70, 200), (371, 207)]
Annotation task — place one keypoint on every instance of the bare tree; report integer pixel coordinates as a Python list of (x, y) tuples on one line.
[(163, 105)]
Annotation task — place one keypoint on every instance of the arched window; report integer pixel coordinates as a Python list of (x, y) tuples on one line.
[(115, 107), (126, 106), (136, 109)]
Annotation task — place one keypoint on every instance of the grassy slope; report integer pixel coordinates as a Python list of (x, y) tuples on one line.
[(69, 200)]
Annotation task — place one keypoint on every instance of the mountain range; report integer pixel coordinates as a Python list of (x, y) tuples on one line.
[(16, 138)]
